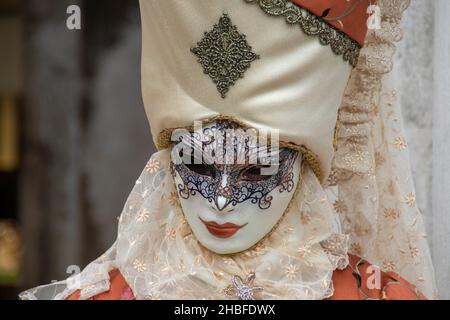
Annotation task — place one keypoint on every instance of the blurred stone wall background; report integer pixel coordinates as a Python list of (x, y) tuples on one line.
[(85, 133)]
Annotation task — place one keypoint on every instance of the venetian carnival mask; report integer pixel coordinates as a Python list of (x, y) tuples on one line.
[(232, 190)]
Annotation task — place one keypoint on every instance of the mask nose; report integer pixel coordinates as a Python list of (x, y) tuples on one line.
[(223, 204), (223, 196)]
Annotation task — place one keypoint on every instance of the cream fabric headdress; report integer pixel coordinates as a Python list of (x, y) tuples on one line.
[(295, 86)]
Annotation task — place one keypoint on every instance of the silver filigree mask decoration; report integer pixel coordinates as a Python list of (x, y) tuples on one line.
[(232, 204)]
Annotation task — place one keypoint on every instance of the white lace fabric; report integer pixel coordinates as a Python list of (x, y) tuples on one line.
[(161, 259), (376, 200)]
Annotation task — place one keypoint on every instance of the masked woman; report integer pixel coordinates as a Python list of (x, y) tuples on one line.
[(282, 166)]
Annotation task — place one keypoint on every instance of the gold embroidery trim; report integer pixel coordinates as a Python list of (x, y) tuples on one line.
[(164, 141)]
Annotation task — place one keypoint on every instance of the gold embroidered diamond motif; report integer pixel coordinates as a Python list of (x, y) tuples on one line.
[(224, 54)]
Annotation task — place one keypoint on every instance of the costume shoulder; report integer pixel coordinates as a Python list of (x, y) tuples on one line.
[(118, 290), (363, 281), (359, 281)]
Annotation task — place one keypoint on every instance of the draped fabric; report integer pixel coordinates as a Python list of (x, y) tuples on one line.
[(160, 258), (376, 199), (295, 87), (351, 283)]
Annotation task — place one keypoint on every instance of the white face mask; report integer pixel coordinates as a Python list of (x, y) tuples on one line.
[(231, 207)]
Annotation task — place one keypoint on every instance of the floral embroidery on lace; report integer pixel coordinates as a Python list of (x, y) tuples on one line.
[(371, 168), (367, 185)]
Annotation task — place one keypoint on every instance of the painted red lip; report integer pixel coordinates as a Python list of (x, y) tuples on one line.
[(225, 230)]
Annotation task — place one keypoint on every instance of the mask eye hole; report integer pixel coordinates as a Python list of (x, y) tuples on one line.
[(254, 173), (202, 169)]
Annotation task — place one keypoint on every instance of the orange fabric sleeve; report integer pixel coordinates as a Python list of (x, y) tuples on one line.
[(353, 283)]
